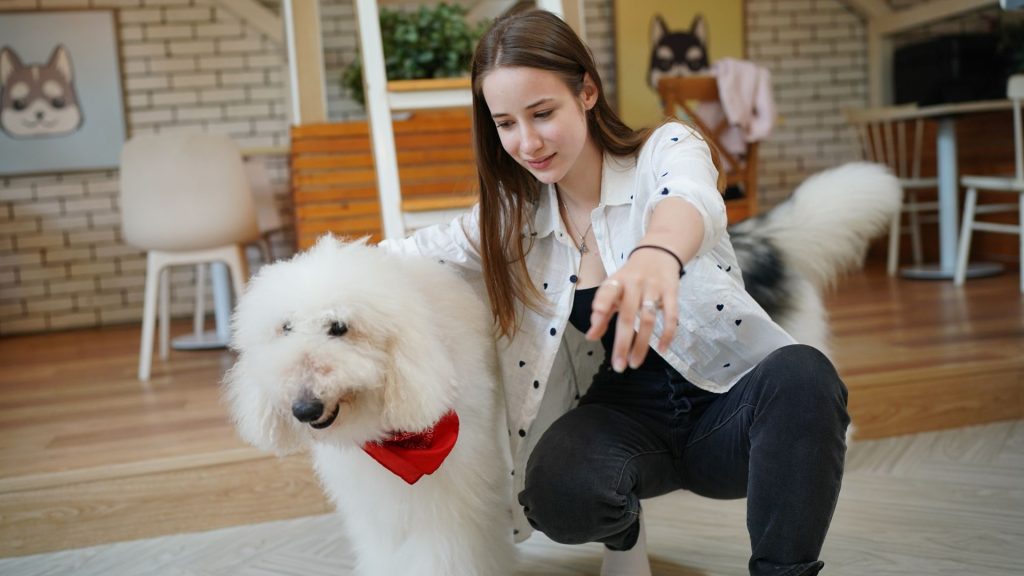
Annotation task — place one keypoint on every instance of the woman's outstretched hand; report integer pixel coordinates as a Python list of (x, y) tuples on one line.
[(643, 288), (648, 284)]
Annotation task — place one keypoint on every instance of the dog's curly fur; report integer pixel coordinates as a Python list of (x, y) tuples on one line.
[(387, 343)]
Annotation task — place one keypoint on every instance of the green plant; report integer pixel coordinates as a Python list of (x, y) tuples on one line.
[(432, 42)]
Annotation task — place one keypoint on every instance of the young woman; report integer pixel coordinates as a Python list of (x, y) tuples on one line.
[(634, 363)]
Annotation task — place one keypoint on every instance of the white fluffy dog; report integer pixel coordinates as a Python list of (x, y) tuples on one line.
[(351, 352)]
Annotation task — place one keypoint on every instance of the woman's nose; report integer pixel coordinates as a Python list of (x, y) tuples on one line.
[(529, 140)]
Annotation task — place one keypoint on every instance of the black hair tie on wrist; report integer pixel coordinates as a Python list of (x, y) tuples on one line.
[(682, 272)]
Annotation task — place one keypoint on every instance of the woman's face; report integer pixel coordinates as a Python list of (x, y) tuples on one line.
[(540, 122)]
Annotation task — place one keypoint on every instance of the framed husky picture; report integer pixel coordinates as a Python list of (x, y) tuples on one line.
[(655, 38), (61, 106)]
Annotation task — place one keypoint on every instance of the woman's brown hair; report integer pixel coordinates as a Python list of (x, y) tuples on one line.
[(508, 192)]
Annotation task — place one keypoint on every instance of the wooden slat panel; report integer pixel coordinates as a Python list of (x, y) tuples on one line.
[(325, 146), (346, 177), (442, 203), (312, 163), (328, 211), (357, 223), (341, 194), (334, 130), (334, 184)]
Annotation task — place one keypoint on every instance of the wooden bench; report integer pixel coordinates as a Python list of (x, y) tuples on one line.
[(334, 184)]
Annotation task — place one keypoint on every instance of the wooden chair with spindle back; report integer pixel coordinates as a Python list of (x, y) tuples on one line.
[(892, 136), (679, 94)]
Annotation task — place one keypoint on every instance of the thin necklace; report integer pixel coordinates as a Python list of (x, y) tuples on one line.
[(582, 244)]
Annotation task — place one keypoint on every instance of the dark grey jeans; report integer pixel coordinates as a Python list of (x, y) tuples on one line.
[(776, 438)]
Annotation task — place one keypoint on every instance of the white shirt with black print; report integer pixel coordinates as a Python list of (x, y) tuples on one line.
[(548, 365)]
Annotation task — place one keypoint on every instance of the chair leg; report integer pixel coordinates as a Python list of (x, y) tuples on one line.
[(1020, 215), (199, 314), (239, 268), (915, 230), (894, 244), (970, 203), (165, 313), (266, 252), (154, 264)]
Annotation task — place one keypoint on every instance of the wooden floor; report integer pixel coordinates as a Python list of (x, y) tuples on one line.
[(88, 456)]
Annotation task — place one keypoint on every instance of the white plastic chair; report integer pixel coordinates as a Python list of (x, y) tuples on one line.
[(185, 200), (270, 223), (1003, 184), (886, 136)]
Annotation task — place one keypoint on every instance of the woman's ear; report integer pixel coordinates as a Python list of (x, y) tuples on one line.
[(590, 92)]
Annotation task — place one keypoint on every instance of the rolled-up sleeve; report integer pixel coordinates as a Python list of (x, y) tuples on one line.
[(676, 162), (453, 243)]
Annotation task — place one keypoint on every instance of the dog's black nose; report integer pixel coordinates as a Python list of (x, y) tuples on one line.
[(307, 409)]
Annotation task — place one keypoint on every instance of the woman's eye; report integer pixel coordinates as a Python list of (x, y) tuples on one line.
[(502, 125), (543, 114)]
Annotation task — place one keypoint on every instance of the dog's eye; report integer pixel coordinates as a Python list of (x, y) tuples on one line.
[(20, 104), (337, 329), (286, 327), (57, 102)]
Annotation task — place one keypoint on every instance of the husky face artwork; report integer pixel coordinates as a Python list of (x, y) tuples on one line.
[(675, 54), (38, 101)]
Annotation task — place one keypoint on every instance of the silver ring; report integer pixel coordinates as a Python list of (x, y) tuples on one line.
[(649, 306), (613, 283)]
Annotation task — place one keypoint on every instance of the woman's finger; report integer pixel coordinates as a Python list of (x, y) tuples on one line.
[(670, 317), (624, 332), (605, 304), (647, 313)]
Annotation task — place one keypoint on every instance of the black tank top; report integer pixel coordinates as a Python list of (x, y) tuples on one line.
[(579, 317)]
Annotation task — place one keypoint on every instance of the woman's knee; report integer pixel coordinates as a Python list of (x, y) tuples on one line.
[(569, 494), (800, 384), (567, 500), (804, 373)]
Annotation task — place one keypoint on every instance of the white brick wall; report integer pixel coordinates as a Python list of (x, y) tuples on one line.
[(187, 64)]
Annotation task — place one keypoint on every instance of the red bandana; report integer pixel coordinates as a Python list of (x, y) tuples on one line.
[(410, 455)]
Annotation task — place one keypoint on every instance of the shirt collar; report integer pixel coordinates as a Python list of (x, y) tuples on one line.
[(616, 189)]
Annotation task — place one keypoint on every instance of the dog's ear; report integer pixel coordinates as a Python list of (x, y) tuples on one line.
[(255, 418), (657, 30), (422, 384)]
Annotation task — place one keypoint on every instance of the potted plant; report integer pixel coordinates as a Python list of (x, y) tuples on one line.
[(431, 42)]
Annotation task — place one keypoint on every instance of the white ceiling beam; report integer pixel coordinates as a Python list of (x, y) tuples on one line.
[(258, 16), (869, 9), (928, 12)]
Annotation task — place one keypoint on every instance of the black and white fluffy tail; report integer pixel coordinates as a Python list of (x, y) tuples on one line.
[(789, 254)]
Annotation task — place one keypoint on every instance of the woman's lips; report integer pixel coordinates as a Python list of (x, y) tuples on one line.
[(542, 163)]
